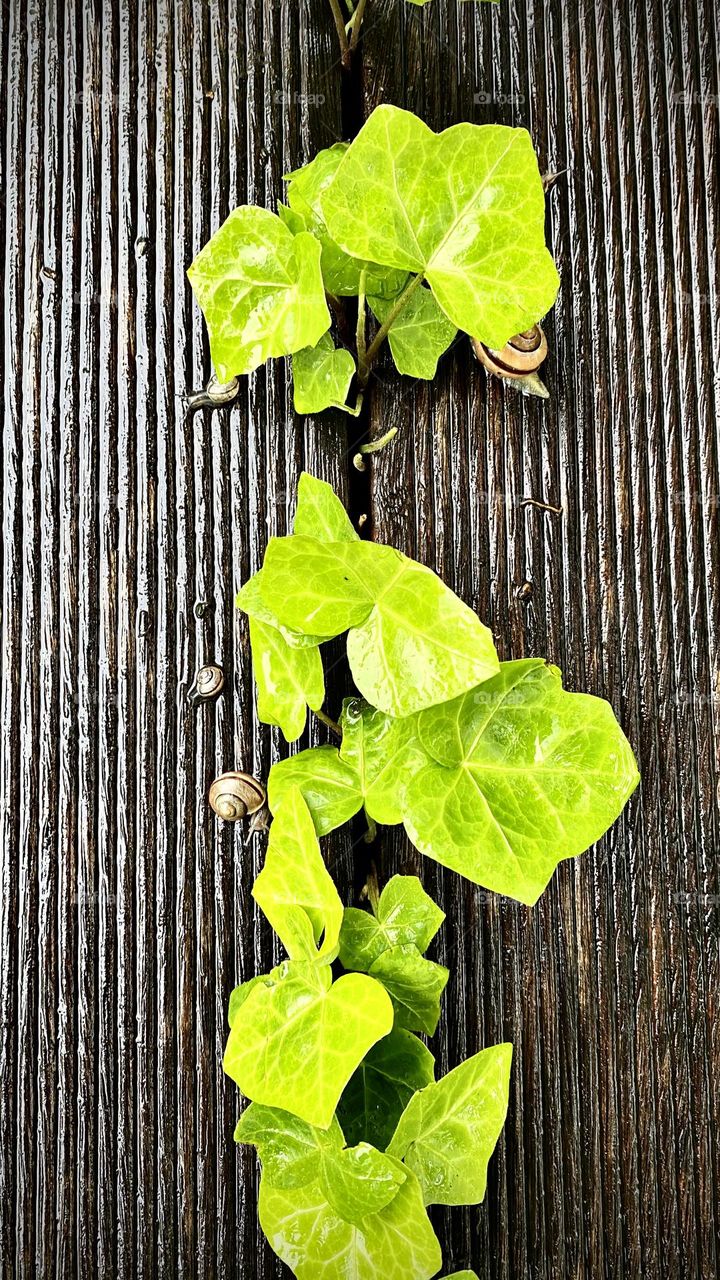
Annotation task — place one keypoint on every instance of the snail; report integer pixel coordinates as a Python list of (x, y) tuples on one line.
[(236, 795), (518, 361), (208, 684), (214, 394)]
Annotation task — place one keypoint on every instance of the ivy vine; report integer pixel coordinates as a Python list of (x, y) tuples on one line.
[(496, 772)]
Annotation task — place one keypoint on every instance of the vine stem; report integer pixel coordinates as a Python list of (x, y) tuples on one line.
[(360, 333), (356, 23), (385, 328), (373, 889), (331, 724), (337, 14)]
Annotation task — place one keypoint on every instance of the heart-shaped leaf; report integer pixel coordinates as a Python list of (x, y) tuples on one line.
[(414, 985), (521, 774), (317, 1244), (465, 208), (382, 1086), (331, 789), (260, 289), (419, 335), (288, 679), (412, 641), (405, 916), (321, 377), (449, 1130), (296, 1041), (295, 890)]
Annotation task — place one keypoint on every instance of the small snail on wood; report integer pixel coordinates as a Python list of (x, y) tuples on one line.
[(236, 795), (518, 361), (214, 394), (208, 684)]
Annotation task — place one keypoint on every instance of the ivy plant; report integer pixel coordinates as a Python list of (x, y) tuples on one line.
[(429, 234), (495, 771), (349, 27)]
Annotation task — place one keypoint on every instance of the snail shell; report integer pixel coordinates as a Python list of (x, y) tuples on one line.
[(213, 394), (521, 356), (209, 681), (236, 795)]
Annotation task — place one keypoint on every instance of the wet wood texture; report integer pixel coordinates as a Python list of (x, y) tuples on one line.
[(129, 131)]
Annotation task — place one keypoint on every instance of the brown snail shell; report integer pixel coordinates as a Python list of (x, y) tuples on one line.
[(521, 356), (209, 682), (236, 795)]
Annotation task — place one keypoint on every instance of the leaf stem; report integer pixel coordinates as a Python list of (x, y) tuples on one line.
[(373, 446), (337, 14), (356, 24), (331, 724), (385, 328)]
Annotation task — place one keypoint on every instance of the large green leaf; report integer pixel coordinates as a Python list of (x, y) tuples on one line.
[(521, 774), (382, 1086), (288, 679), (250, 600), (295, 890), (320, 513), (384, 752), (341, 273), (414, 985), (317, 1244), (405, 915), (330, 787), (321, 377), (260, 289), (412, 642), (356, 1181), (296, 1041), (465, 208), (419, 335), (449, 1130)]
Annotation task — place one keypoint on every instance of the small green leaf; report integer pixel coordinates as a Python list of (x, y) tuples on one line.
[(261, 291), (419, 335), (356, 1181), (412, 641), (521, 774), (294, 888), (317, 1244), (384, 752), (250, 600), (341, 273), (466, 208), (320, 513), (330, 788), (296, 1040), (462, 1275), (239, 995), (288, 680), (321, 377), (382, 1086), (290, 1149), (414, 985), (406, 915), (449, 1130)]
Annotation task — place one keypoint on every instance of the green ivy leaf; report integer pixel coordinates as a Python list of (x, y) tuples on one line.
[(406, 915), (465, 208), (384, 752), (317, 1244), (320, 513), (419, 335), (449, 1130), (356, 1181), (412, 642), (290, 1149), (260, 289), (330, 788), (521, 774), (294, 888), (239, 995), (414, 985), (288, 679), (461, 1275), (250, 600), (296, 1040), (341, 272), (321, 377), (382, 1086)]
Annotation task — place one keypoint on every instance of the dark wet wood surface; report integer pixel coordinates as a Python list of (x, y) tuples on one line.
[(129, 131)]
